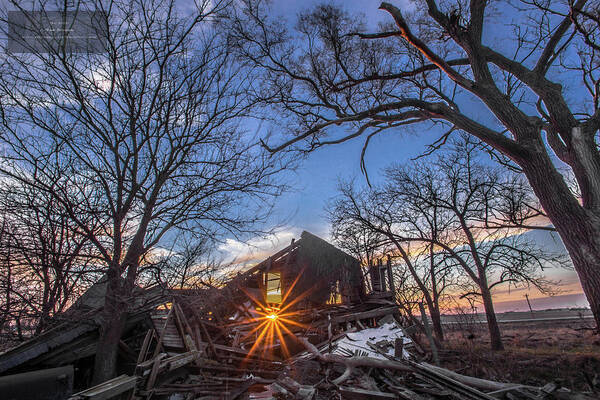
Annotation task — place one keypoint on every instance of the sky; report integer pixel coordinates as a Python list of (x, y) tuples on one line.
[(314, 183)]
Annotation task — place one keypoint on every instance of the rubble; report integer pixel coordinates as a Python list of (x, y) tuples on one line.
[(332, 341), (361, 361)]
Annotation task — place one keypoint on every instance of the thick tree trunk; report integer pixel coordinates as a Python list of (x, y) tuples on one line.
[(585, 255), (578, 225), (582, 241), (105, 363), (492, 322), (113, 322), (119, 293)]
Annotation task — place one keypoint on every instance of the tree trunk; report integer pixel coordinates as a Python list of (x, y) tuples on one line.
[(436, 321), (578, 226), (119, 293), (492, 322), (582, 241), (113, 322)]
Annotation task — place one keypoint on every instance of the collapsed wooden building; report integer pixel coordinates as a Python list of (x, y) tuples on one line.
[(299, 325), (308, 274)]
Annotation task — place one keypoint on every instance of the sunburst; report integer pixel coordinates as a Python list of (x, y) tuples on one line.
[(273, 322)]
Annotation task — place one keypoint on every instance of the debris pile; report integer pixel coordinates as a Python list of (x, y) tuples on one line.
[(341, 352), (306, 323)]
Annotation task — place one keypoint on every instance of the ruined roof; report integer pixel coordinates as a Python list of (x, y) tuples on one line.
[(76, 336), (311, 248)]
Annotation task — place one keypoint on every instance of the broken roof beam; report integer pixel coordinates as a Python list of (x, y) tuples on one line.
[(375, 313), (272, 258)]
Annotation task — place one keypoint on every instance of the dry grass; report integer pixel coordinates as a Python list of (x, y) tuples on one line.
[(566, 353)]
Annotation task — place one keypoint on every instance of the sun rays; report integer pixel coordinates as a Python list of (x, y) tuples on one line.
[(275, 323)]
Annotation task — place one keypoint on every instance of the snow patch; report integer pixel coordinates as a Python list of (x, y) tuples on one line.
[(384, 336)]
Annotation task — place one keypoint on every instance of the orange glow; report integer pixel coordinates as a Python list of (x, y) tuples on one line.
[(273, 323), (164, 306)]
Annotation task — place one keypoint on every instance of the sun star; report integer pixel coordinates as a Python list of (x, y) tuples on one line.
[(271, 329)]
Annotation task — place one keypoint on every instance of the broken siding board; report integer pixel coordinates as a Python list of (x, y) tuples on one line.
[(178, 318), (180, 360), (108, 389), (350, 393), (168, 333), (145, 346), (44, 343), (66, 354)]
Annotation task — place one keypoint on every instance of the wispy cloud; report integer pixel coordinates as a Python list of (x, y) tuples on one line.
[(258, 248)]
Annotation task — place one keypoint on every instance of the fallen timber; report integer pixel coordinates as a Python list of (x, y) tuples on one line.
[(377, 371), (326, 339)]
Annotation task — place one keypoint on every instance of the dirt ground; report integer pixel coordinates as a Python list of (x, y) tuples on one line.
[(536, 353)]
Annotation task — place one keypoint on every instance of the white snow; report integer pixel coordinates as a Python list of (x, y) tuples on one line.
[(357, 341)]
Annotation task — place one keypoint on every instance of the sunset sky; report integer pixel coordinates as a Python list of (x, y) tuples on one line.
[(314, 183)]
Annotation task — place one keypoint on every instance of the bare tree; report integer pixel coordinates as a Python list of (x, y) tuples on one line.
[(349, 210), (421, 274), (138, 140), (364, 244), (8, 304), (445, 207), (188, 264), (47, 260), (530, 68)]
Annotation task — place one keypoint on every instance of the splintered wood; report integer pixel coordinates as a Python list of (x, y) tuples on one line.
[(328, 352)]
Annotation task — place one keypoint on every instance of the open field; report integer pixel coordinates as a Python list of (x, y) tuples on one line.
[(559, 347), (520, 317)]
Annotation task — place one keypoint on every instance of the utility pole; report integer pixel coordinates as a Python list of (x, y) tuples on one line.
[(529, 304)]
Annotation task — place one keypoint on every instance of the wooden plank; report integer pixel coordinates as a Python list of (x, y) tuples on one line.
[(179, 360), (179, 325), (47, 342), (374, 275), (399, 347), (234, 393), (108, 389), (162, 334), (378, 312), (184, 320), (173, 342), (379, 295), (362, 394), (381, 270), (209, 339), (145, 346), (171, 363), (390, 275), (154, 372), (452, 384)]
